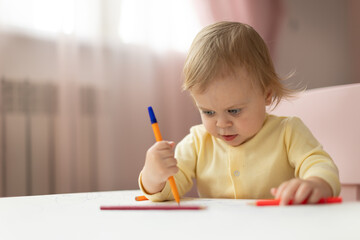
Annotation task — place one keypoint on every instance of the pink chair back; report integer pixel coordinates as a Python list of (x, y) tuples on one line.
[(333, 115)]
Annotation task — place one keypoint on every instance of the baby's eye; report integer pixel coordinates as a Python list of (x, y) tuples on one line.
[(234, 111), (208, 113)]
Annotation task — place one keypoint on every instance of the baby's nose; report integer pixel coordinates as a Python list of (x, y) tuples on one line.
[(223, 122)]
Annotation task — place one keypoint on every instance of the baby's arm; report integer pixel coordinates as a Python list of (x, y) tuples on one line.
[(316, 175), (298, 190), (160, 164)]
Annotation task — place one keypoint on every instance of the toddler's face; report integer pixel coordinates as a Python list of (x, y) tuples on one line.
[(232, 109)]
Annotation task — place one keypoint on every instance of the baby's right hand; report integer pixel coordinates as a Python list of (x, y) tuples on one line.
[(160, 164)]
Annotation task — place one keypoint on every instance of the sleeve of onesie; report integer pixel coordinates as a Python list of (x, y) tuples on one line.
[(307, 155), (185, 154)]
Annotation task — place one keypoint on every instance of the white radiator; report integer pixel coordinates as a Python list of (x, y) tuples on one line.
[(33, 158)]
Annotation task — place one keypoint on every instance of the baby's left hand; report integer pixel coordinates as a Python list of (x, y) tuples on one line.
[(298, 190)]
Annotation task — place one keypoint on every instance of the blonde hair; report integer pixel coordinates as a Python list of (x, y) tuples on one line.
[(223, 48)]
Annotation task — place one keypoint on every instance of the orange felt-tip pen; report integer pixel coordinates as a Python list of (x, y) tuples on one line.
[(276, 202), (141, 198), (158, 137)]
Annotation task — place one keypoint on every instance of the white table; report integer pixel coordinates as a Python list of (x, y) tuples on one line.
[(78, 216)]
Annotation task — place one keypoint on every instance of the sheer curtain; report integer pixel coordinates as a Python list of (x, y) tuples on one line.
[(78, 76), (147, 69), (100, 68)]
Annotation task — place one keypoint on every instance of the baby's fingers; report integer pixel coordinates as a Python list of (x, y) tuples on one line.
[(164, 145), (273, 191), (169, 162), (288, 192), (280, 189), (303, 193), (315, 196)]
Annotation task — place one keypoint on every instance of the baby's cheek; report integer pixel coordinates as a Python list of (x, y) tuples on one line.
[(211, 128)]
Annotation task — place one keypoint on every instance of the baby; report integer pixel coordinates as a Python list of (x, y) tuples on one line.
[(239, 151)]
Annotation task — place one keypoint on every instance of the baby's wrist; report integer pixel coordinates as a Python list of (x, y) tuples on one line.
[(325, 186)]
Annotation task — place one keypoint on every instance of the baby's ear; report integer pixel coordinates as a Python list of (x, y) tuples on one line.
[(268, 97)]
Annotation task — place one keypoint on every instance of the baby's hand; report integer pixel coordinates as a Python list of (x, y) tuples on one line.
[(160, 164), (298, 190)]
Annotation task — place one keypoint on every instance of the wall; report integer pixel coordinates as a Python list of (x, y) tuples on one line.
[(314, 40)]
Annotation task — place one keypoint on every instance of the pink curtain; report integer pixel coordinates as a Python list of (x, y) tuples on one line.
[(98, 130), (265, 16)]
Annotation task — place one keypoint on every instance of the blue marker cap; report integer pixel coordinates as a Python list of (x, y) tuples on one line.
[(152, 115)]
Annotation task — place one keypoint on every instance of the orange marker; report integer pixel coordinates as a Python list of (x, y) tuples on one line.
[(276, 202), (141, 198), (158, 138)]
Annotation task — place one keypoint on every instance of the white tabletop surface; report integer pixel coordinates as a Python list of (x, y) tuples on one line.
[(78, 216)]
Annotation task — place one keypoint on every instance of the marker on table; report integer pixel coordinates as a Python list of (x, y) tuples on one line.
[(153, 207), (141, 198), (276, 202), (158, 137)]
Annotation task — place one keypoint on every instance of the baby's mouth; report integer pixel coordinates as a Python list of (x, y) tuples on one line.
[(229, 137)]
